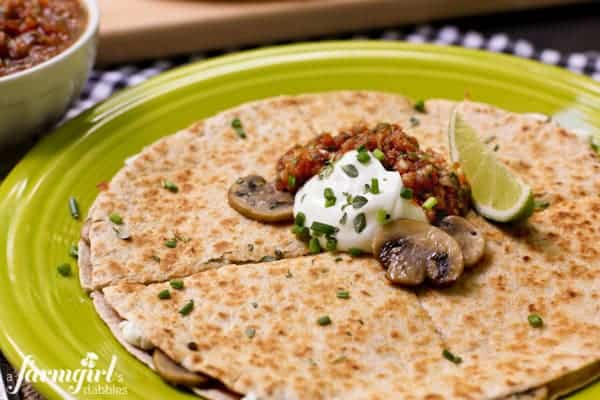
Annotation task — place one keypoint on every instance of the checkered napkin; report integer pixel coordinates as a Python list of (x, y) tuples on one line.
[(104, 82)]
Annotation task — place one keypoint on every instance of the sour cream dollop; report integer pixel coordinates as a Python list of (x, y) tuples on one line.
[(345, 214), (133, 335)]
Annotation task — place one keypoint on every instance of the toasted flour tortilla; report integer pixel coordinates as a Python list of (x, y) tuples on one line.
[(551, 266)]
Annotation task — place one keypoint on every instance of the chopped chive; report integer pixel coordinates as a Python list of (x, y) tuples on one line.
[(496, 147), (176, 284), (338, 259), (170, 186), (344, 218), (300, 219), (187, 308), (289, 274), (360, 223), (74, 207), (74, 251), (339, 359), (539, 205), (359, 201), (430, 203), (350, 170), (420, 106), (375, 186), (329, 197), (451, 357), (322, 228), (406, 193), (171, 243), (378, 154), (363, 156), (268, 259), (383, 217), (291, 181), (535, 320), (355, 252), (64, 269), (326, 171), (414, 121), (301, 232), (237, 126), (164, 294), (595, 143), (250, 332), (115, 218), (156, 258), (314, 246), (342, 294), (331, 244), (324, 320)]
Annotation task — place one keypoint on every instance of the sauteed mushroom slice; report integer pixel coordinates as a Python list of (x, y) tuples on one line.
[(255, 198), (468, 237), (411, 250), (174, 373)]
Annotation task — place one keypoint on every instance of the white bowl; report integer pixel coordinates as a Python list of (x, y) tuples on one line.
[(34, 99)]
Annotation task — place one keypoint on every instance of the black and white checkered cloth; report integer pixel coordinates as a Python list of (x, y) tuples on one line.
[(104, 82)]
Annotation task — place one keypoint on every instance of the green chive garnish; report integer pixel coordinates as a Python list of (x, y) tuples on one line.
[(171, 243), (115, 218), (326, 171), (359, 201), (383, 217), (375, 186), (164, 294), (324, 320), (74, 207), (595, 143), (237, 126), (350, 170), (314, 246), (64, 269), (74, 251), (344, 218), (451, 357), (176, 284), (414, 121), (268, 259), (355, 252), (289, 274), (430, 203), (155, 258), (329, 197), (378, 154), (535, 320), (338, 259), (250, 332), (291, 181), (539, 205), (187, 308), (301, 232), (339, 359), (360, 223), (342, 294), (420, 106), (406, 193), (170, 186), (363, 156), (300, 219), (321, 228), (331, 244)]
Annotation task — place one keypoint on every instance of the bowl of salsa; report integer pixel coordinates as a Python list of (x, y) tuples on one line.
[(47, 49)]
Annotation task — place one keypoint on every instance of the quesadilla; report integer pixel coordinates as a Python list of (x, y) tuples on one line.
[(472, 340)]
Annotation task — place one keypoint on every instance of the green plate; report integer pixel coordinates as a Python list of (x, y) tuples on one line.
[(50, 318)]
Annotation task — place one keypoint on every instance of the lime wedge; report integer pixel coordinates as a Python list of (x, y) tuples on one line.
[(497, 193)]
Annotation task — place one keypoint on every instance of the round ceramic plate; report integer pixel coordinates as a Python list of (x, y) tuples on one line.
[(48, 322)]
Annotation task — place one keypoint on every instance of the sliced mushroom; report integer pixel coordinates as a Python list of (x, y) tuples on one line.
[(255, 198), (174, 373), (468, 237), (411, 250)]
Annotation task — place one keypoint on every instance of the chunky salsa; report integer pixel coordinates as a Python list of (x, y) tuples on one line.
[(425, 173), (33, 31)]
